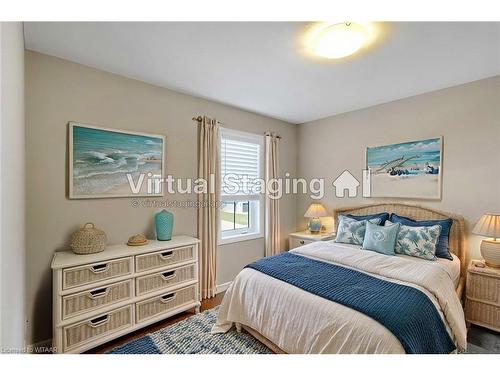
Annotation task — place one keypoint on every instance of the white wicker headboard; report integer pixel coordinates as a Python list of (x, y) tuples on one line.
[(457, 233)]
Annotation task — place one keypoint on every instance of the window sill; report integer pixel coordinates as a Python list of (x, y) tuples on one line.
[(240, 238)]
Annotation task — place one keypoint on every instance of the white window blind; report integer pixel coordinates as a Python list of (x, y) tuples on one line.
[(239, 158), (242, 210)]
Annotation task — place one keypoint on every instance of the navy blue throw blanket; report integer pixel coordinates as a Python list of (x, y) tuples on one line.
[(405, 311)]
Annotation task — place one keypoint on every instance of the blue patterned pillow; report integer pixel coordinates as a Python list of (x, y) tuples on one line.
[(383, 216), (417, 242), (381, 239), (442, 249), (352, 231)]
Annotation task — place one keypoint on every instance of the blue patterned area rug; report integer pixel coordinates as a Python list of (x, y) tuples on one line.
[(192, 336)]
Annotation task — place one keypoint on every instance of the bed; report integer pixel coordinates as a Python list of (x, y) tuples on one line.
[(289, 319)]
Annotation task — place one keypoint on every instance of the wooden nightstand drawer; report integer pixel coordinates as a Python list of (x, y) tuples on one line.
[(482, 303), (483, 287), (483, 314), (303, 238), (296, 242)]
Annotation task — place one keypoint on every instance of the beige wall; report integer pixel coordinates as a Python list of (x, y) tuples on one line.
[(467, 116), (12, 177), (59, 91)]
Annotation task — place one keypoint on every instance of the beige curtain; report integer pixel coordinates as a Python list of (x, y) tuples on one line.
[(272, 220), (208, 211)]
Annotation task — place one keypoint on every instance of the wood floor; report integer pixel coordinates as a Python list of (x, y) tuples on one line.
[(205, 305)]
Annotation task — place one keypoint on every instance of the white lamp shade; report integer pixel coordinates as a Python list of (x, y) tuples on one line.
[(488, 226), (316, 210)]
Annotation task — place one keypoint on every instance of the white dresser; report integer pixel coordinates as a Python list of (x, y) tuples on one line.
[(99, 297)]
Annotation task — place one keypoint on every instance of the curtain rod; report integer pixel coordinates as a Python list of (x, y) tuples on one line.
[(199, 119), (267, 134)]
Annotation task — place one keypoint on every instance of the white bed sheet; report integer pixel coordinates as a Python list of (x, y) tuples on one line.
[(452, 267)]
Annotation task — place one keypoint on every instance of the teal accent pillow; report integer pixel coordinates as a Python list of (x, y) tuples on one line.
[(352, 231), (420, 242), (381, 239)]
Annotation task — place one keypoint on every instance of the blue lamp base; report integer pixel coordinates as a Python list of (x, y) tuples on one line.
[(314, 225)]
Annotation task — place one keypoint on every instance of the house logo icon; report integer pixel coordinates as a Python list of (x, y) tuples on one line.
[(346, 181)]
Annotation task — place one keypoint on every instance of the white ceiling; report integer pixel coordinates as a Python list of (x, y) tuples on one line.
[(259, 67)]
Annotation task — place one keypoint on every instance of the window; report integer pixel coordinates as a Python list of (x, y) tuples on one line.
[(242, 206)]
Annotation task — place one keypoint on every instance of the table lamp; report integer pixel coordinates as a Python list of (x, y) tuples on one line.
[(489, 226), (314, 212)]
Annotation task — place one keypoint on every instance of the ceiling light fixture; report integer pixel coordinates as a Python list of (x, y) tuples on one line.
[(337, 40)]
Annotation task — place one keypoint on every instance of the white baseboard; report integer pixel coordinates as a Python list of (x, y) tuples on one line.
[(222, 287)]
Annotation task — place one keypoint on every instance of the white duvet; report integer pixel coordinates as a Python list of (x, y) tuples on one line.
[(300, 322)]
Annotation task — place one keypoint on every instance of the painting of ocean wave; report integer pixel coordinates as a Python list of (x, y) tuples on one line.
[(100, 160), (406, 170)]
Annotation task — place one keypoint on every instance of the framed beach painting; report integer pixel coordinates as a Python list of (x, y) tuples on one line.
[(406, 170), (107, 163)]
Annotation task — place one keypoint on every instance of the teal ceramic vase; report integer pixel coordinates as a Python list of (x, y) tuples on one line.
[(164, 221)]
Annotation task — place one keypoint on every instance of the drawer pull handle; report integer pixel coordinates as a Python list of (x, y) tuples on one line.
[(168, 275), (99, 268), (301, 242), (167, 254), (167, 298), (98, 293), (94, 323)]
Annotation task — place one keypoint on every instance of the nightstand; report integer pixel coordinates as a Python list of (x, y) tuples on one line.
[(482, 304), (302, 238)]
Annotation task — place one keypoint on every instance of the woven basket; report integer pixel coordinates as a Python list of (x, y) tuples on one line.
[(137, 240), (88, 240)]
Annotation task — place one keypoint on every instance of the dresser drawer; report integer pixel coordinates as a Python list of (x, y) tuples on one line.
[(483, 287), (79, 303), (91, 273), (162, 304), (483, 313), (163, 258), (84, 332), (164, 279), (296, 242)]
